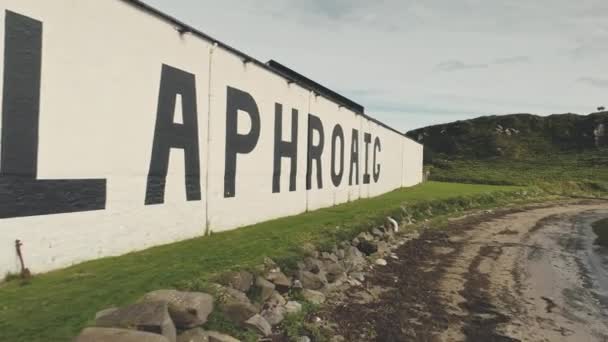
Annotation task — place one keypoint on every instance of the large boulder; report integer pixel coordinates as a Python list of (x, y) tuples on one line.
[(258, 324), (187, 309), (151, 317), (95, 334)]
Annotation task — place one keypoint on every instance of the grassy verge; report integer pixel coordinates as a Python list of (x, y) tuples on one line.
[(56, 305), (573, 173), (600, 228)]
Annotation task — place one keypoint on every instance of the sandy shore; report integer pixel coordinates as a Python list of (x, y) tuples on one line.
[(524, 274)]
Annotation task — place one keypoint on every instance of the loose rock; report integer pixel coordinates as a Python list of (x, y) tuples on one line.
[(259, 324), (354, 260), (365, 236), (310, 280), (340, 254), (276, 300), (274, 315), (238, 312), (187, 309), (293, 307), (381, 262), (312, 265), (377, 232), (315, 297), (358, 276), (382, 248), (280, 280), (265, 287), (241, 280), (334, 270), (270, 265), (329, 256), (297, 284), (235, 305), (368, 247), (151, 317)]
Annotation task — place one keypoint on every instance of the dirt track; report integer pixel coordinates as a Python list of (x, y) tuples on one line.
[(514, 275)]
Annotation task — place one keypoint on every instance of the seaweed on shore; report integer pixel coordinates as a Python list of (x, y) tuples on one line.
[(600, 228)]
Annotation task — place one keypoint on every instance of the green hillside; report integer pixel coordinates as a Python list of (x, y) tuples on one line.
[(515, 136), (565, 153)]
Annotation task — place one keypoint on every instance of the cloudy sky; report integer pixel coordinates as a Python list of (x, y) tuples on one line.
[(416, 63)]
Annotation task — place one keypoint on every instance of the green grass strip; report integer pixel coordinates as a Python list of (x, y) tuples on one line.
[(55, 306)]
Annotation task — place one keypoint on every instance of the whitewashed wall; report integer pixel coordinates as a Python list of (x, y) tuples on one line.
[(99, 97)]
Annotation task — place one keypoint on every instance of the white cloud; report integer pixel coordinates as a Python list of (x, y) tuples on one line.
[(454, 65), (513, 60)]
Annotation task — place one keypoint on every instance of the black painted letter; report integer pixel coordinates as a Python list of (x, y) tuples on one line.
[(377, 148), (169, 134), (238, 143), (338, 133), (354, 158), (285, 149), (314, 151), (21, 194), (367, 138)]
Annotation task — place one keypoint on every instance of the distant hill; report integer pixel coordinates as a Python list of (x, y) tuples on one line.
[(514, 136)]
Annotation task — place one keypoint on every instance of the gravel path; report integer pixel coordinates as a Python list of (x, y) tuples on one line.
[(523, 274)]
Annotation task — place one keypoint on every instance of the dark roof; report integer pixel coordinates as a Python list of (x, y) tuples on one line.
[(296, 78), (316, 87)]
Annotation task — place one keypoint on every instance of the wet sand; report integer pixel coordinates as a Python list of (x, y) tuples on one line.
[(520, 274)]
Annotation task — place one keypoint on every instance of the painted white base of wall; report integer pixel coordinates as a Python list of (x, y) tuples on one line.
[(100, 88)]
